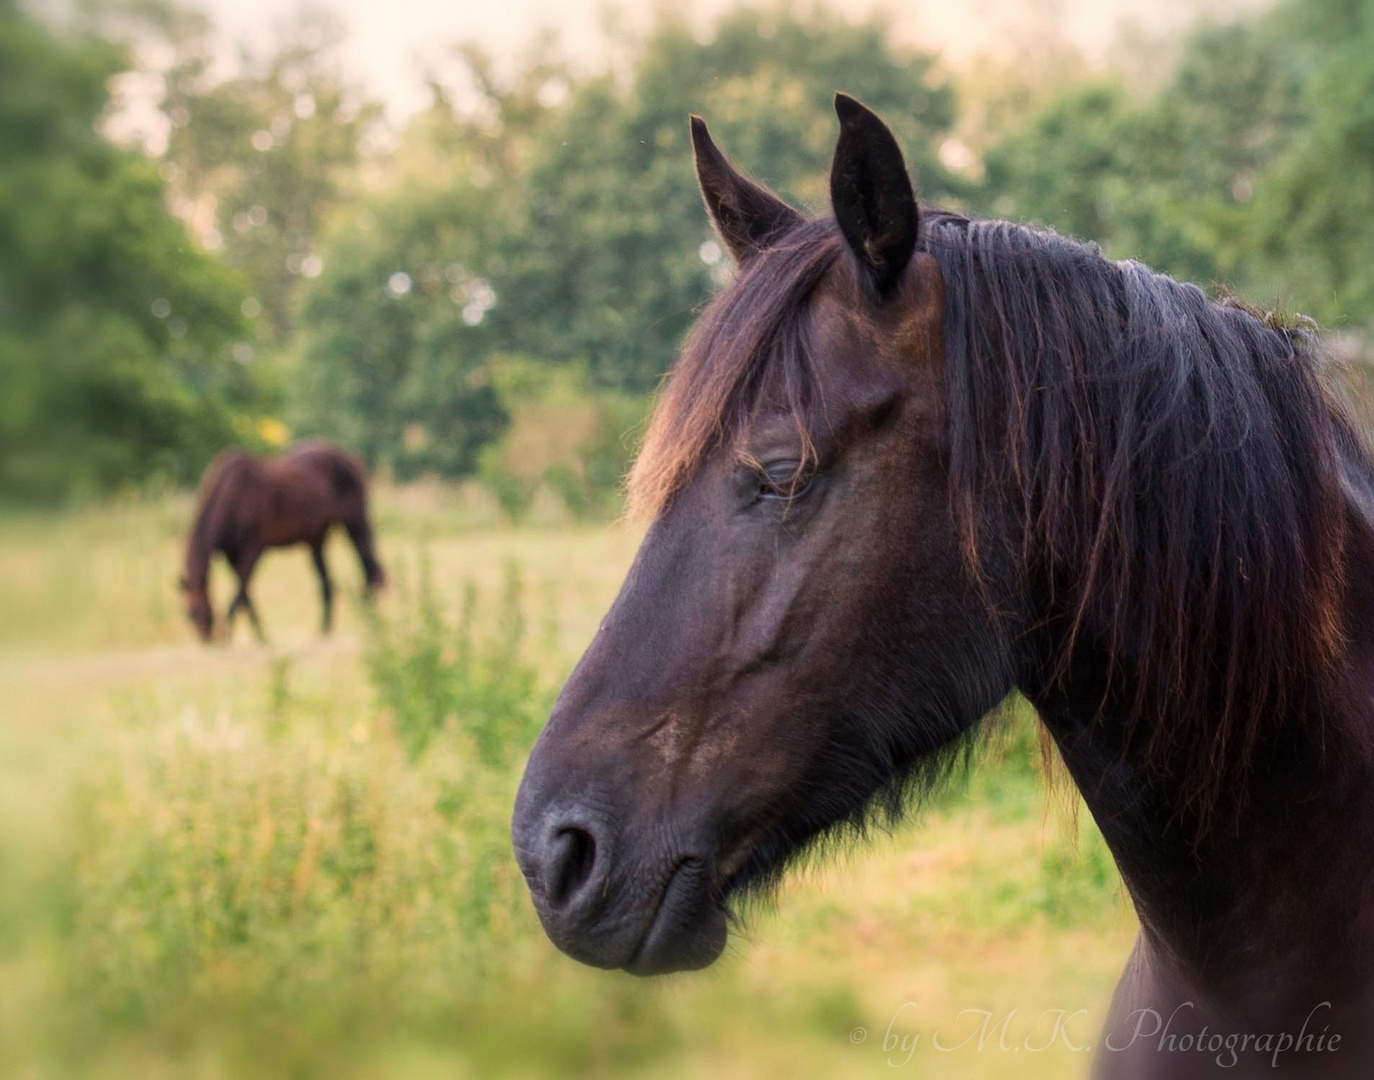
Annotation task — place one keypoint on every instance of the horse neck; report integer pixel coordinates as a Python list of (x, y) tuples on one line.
[(200, 545), (1291, 833)]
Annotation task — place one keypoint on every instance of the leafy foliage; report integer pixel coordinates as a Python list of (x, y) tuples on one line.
[(258, 162), (393, 356), (380, 287), (558, 218), (1251, 167), (116, 336), (431, 675), (566, 437), (1315, 207), (612, 254)]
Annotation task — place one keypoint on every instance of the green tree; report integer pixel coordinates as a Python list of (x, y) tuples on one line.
[(256, 163), (557, 218), (395, 337), (1169, 179), (1315, 208), (1252, 167), (613, 254), (1055, 170), (117, 337)]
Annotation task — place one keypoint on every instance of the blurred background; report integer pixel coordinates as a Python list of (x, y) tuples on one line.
[(463, 241)]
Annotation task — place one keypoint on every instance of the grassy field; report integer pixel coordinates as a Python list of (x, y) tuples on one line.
[(292, 860)]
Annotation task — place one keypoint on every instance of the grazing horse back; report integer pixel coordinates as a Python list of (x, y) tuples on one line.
[(908, 462), (345, 473)]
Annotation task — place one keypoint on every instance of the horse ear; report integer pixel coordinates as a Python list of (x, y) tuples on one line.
[(747, 217), (871, 193)]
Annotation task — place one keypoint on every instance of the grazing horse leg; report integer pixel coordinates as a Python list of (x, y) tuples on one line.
[(244, 563), (326, 586)]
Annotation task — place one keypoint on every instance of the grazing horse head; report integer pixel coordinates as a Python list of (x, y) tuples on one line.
[(198, 607), (907, 463), (799, 635)]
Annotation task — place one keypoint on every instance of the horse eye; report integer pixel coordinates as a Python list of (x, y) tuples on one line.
[(784, 480)]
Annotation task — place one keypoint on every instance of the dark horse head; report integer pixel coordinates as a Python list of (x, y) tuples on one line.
[(198, 607), (892, 477)]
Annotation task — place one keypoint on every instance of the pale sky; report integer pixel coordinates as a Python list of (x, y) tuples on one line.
[(392, 41)]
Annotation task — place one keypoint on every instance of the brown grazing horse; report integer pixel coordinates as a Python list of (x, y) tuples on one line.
[(248, 506), (909, 462)]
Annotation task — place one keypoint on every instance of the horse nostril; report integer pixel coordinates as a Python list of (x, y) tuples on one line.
[(570, 865)]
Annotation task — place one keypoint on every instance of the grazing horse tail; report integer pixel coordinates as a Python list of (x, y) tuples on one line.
[(350, 481), (359, 526), (347, 477), (360, 532)]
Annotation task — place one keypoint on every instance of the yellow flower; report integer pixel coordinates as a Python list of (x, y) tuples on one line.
[(273, 432)]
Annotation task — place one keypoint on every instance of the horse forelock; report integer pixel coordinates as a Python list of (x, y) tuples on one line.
[(750, 344)]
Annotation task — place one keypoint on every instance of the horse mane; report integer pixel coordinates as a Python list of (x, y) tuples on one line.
[(1165, 467), (201, 543), (749, 343)]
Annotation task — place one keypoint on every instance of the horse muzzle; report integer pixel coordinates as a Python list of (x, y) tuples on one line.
[(615, 897)]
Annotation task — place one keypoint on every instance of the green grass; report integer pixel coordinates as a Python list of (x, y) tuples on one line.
[(292, 860)]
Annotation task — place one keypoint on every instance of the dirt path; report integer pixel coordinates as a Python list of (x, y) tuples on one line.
[(94, 668)]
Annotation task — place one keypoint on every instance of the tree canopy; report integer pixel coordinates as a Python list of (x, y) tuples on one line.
[(118, 337), (283, 249), (1251, 169)]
